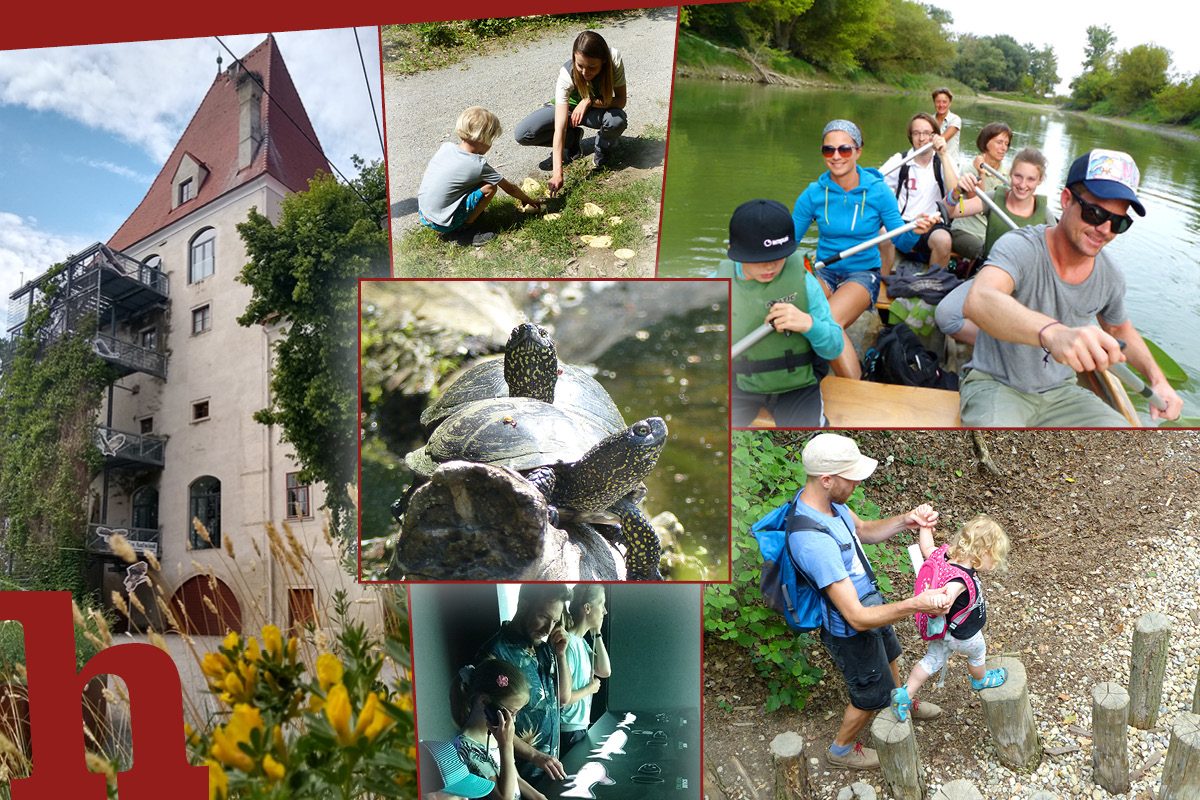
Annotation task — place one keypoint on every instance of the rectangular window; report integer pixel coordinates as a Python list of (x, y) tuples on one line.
[(199, 410), (147, 424), (187, 191), (302, 610), (150, 338), (203, 260), (201, 319), (297, 498)]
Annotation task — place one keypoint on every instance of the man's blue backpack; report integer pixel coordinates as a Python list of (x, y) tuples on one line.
[(785, 587)]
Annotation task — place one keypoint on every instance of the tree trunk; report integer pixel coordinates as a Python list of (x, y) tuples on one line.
[(1110, 749), (1009, 718), (898, 756), (1181, 773), (1148, 662), (787, 762)]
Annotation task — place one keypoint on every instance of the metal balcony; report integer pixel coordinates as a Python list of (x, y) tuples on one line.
[(123, 450), (142, 540), (128, 357)]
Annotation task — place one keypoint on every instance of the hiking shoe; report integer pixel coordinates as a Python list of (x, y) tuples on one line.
[(925, 710), (900, 703), (467, 237), (858, 758), (991, 679), (600, 160)]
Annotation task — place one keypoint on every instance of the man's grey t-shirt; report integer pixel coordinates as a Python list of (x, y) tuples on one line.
[(451, 175), (1024, 255)]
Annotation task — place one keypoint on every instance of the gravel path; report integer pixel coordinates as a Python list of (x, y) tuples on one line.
[(422, 108)]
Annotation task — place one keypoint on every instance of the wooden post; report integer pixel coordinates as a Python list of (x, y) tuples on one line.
[(1181, 773), (787, 762), (898, 757), (1147, 663), (1009, 717), (961, 789), (1110, 740), (1196, 695)]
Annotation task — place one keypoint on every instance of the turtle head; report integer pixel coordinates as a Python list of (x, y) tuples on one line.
[(617, 465), (530, 363)]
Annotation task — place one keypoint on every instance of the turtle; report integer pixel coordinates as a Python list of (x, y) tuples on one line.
[(529, 368), (575, 463)]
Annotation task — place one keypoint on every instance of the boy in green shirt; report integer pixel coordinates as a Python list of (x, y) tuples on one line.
[(783, 371)]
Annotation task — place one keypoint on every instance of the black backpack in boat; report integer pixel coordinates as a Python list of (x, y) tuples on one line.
[(899, 357)]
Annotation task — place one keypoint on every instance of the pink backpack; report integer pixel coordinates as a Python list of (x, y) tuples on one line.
[(935, 573)]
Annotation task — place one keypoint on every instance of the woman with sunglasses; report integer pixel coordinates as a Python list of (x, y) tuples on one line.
[(1020, 204), (1050, 302), (850, 204)]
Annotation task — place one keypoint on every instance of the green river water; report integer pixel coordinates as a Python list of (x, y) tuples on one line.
[(730, 142)]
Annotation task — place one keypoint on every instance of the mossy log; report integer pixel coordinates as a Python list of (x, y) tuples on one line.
[(961, 789), (1181, 773), (898, 756), (787, 762)]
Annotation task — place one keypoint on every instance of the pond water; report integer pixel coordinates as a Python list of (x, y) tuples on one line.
[(730, 142)]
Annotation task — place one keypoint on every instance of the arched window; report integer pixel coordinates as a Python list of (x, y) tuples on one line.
[(150, 268), (204, 496), (145, 508), (202, 257)]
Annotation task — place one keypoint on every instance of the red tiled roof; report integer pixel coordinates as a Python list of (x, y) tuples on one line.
[(212, 139)]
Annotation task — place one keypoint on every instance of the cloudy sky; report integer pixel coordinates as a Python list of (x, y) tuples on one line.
[(84, 130), (1063, 26)]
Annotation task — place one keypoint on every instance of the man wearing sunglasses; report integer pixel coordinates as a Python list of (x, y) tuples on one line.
[(1049, 303)]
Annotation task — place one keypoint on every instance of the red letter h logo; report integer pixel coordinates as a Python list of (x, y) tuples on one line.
[(56, 712)]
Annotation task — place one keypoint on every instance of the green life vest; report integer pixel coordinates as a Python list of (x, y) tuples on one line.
[(779, 362)]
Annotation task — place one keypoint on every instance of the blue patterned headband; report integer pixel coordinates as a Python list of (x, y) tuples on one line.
[(846, 126)]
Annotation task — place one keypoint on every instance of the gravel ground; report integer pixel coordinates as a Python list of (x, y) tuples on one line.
[(422, 109)]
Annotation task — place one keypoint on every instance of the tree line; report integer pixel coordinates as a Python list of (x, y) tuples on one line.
[(895, 39)]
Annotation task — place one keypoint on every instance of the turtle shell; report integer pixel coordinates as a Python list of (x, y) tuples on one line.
[(576, 391), (516, 432)]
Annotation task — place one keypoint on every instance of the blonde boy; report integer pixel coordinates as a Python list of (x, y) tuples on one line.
[(459, 182)]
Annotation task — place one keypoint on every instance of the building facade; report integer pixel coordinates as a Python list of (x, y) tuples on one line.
[(177, 428)]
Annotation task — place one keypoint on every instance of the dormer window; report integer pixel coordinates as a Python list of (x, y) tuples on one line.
[(189, 176)]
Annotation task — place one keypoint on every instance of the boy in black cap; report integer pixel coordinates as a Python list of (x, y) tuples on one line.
[(783, 370)]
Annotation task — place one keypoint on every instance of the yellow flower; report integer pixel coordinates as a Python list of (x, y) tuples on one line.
[(329, 670), (231, 641), (404, 701), (234, 686), (190, 734), (277, 741), (337, 711), (251, 653), (292, 644), (272, 769), (218, 781), (215, 665), (227, 737), (316, 703), (273, 642)]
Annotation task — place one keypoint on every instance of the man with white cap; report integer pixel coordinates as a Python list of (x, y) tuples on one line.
[(857, 624), (1050, 303)]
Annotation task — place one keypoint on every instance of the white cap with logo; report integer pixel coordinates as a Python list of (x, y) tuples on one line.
[(833, 454)]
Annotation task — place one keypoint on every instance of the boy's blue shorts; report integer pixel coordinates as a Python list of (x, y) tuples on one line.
[(460, 214), (868, 279)]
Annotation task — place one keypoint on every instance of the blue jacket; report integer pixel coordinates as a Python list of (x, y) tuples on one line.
[(845, 219)]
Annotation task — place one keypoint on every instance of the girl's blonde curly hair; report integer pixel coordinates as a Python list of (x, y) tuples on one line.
[(981, 536)]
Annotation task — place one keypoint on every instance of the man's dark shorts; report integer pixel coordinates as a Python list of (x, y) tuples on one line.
[(864, 660), (921, 251)]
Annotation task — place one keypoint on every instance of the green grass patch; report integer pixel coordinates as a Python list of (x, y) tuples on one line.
[(701, 54), (408, 49), (531, 245)]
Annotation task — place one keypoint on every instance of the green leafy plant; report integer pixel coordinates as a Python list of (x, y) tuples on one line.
[(766, 474)]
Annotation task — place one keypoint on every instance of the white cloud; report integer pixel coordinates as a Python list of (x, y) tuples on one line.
[(146, 92), (115, 169), (26, 251)]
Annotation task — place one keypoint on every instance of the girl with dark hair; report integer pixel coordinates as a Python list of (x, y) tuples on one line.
[(590, 92), (484, 702), (589, 663)]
